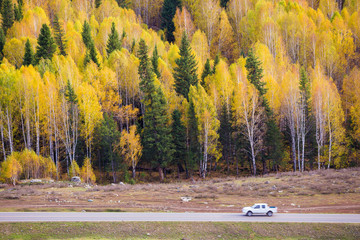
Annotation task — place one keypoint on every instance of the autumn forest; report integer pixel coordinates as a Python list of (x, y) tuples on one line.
[(142, 90)]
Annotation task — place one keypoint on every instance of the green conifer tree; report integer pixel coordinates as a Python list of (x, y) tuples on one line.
[(223, 3), (185, 73), (46, 45), (97, 3), (156, 141), (18, 10), (255, 72), (167, 15), (28, 56), (193, 147), (155, 62), (133, 44), (273, 138), (310, 140), (216, 62), (225, 133), (86, 35), (124, 3), (70, 95), (87, 58), (2, 43), (143, 65), (206, 72), (93, 54), (59, 36), (7, 13), (178, 132), (113, 42)]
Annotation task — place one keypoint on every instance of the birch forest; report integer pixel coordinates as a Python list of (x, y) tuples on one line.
[(140, 90)]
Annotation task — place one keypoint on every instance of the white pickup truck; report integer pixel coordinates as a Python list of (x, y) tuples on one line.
[(259, 208)]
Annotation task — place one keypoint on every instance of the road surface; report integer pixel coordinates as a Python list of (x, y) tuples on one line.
[(171, 217)]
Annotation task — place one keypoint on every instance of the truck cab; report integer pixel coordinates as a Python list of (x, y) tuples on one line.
[(259, 209)]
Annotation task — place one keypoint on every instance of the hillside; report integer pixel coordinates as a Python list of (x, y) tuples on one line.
[(128, 90)]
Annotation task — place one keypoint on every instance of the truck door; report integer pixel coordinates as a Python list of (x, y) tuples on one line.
[(257, 209)]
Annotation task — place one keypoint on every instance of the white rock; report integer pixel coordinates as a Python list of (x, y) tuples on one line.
[(186, 199)]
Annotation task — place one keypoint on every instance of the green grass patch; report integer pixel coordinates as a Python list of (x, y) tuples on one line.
[(177, 230)]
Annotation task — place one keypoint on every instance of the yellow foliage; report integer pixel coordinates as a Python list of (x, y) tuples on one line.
[(11, 169), (130, 147), (87, 173), (74, 170)]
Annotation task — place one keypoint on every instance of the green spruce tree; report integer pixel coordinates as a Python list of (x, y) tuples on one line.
[(310, 133), (155, 62), (255, 72), (206, 72), (156, 140), (46, 45), (7, 13), (143, 65), (18, 10), (185, 73), (93, 54), (90, 45), (133, 45), (178, 132), (113, 42), (87, 58), (124, 3), (2, 43), (59, 36), (28, 56), (86, 35), (225, 134), (216, 62), (106, 137), (193, 147), (167, 15), (273, 139), (223, 3), (97, 3)]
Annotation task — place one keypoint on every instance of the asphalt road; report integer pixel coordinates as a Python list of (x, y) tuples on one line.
[(171, 217)]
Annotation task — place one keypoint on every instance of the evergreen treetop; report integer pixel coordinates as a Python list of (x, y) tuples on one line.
[(185, 73), (206, 72), (86, 35), (97, 3), (59, 36), (70, 93), (216, 62), (223, 3), (113, 42), (255, 72), (155, 62), (167, 15), (2, 43), (28, 56), (46, 45), (144, 63), (7, 13)]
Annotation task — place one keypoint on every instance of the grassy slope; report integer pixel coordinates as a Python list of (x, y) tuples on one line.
[(146, 230)]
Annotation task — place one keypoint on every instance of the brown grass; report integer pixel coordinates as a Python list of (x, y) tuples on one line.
[(316, 191)]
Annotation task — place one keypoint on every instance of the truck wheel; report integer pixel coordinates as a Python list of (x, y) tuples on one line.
[(269, 213), (249, 213)]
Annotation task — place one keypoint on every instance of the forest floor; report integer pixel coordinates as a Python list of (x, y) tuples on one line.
[(325, 191)]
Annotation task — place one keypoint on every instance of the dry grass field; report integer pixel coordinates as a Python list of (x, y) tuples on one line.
[(325, 191)]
